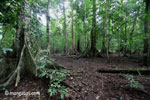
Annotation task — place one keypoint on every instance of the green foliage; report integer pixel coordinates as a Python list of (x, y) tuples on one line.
[(133, 83), (56, 86), (56, 78), (9, 11), (121, 98), (7, 36), (55, 75), (3, 89), (120, 15)]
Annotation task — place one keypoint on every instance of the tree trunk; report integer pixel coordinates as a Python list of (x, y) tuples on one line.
[(147, 31), (85, 34), (132, 31), (107, 31), (28, 54), (22, 51), (19, 41), (78, 43), (84, 26), (48, 27), (103, 51), (65, 31), (119, 43), (72, 31), (93, 31), (125, 36)]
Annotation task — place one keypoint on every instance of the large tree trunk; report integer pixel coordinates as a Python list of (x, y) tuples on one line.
[(22, 52), (28, 55), (85, 34), (107, 31), (84, 25), (72, 30), (48, 27), (147, 31), (93, 31), (19, 42), (65, 31)]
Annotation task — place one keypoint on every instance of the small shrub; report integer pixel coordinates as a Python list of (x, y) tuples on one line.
[(133, 83), (56, 77)]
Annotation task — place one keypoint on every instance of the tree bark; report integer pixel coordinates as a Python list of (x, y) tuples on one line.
[(20, 46), (78, 43), (107, 31), (48, 27), (125, 39), (147, 31), (93, 31), (28, 57), (84, 25), (72, 30), (65, 31)]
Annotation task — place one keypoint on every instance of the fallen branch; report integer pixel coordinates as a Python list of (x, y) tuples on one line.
[(141, 71)]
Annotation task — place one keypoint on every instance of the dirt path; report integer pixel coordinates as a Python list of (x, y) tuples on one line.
[(91, 85)]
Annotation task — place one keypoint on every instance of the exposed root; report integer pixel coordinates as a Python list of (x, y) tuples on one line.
[(27, 62), (12, 76), (31, 64), (6, 78), (19, 66), (9, 81)]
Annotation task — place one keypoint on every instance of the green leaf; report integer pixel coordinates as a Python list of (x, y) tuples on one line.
[(1, 36), (49, 90), (43, 74), (51, 93), (1, 14), (8, 4), (22, 23), (30, 0), (62, 96)]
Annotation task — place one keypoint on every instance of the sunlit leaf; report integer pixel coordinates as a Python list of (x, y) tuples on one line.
[(1, 36)]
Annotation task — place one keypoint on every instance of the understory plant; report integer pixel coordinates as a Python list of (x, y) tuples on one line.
[(133, 83), (56, 75)]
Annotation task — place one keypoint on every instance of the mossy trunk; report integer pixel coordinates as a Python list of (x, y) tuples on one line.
[(24, 61)]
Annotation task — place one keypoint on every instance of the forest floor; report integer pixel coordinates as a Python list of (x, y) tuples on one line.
[(92, 85), (87, 83)]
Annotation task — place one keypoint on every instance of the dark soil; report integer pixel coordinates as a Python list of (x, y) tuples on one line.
[(87, 83), (28, 84)]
